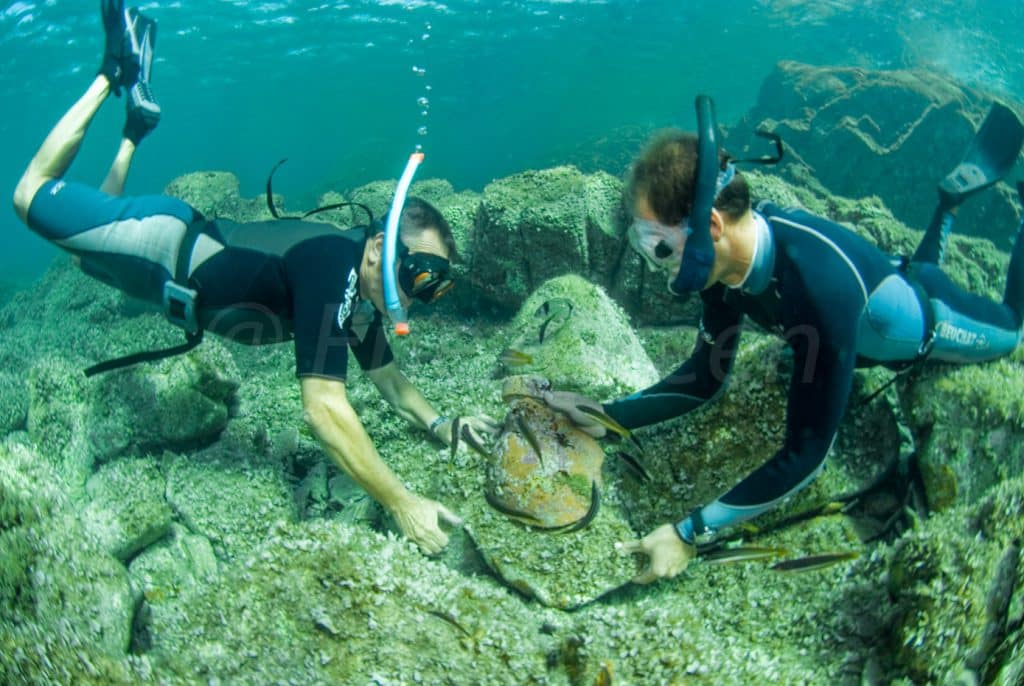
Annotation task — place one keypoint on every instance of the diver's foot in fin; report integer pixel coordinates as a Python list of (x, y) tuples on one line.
[(113, 18), (992, 154), (143, 111), (130, 37)]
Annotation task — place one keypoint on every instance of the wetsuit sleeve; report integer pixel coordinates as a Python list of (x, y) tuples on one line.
[(373, 352), (698, 379), (818, 393)]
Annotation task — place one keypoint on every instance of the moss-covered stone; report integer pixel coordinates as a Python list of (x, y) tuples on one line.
[(126, 510), (893, 134)]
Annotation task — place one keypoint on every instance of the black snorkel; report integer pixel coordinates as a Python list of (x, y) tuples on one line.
[(699, 251)]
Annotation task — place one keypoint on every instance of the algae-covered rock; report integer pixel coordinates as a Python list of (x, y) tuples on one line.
[(321, 602), (970, 420), (57, 418), (580, 340), (230, 497), (13, 402), (127, 510), (894, 134), (184, 401), (164, 576), (216, 194), (52, 572)]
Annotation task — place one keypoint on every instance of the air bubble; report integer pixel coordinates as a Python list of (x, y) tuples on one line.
[(425, 112), (425, 36), (422, 131), (423, 102)]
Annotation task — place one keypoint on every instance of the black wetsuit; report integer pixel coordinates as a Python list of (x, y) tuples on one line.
[(840, 303), (257, 282)]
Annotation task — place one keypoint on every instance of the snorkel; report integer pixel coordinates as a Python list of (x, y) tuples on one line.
[(699, 251), (389, 267)]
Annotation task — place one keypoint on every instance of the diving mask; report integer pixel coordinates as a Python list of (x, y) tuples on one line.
[(660, 245), (424, 276)]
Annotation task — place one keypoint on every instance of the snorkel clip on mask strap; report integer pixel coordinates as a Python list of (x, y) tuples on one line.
[(699, 252), (394, 306)]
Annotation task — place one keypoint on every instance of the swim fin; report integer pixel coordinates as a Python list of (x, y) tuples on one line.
[(992, 154)]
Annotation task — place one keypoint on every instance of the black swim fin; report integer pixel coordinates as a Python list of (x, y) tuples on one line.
[(992, 154)]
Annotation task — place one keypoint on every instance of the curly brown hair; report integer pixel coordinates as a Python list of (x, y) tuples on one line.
[(664, 174)]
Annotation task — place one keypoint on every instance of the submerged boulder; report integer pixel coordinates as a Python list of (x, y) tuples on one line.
[(893, 134), (969, 424), (573, 333)]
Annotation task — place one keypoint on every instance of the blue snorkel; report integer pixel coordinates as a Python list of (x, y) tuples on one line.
[(699, 251), (389, 267)]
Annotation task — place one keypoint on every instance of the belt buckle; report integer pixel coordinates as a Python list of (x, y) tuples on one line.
[(180, 306)]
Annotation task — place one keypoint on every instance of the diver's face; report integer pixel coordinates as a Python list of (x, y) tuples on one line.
[(371, 280), (660, 245)]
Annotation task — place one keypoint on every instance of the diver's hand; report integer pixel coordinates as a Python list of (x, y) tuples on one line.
[(568, 403), (445, 432), (420, 519), (668, 554)]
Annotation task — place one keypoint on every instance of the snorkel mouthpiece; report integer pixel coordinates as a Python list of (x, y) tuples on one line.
[(699, 252), (389, 268)]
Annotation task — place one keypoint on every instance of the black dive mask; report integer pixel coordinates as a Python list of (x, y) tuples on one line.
[(422, 275)]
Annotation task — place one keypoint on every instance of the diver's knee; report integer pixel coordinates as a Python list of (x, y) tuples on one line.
[(24, 192)]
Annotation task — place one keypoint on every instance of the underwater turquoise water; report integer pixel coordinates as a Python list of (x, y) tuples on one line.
[(335, 86)]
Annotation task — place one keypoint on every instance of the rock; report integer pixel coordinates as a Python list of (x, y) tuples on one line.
[(216, 194), (969, 424), (181, 402), (127, 511), (52, 572), (13, 402), (324, 602), (590, 348), (230, 498), (164, 577), (893, 134)]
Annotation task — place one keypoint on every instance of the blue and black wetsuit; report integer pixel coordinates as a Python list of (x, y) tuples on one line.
[(840, 303), (257, 282)]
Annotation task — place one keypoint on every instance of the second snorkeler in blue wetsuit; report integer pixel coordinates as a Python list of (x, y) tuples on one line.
[(838, 301)]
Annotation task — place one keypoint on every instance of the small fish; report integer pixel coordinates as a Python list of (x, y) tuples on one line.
[(447, 617), (456, 430), (595, 505), (633, 466), (466, 434), (522, 515), (556, 313), (743, 553), (530, 437), (515, 358), (610, 424), (812, 562)]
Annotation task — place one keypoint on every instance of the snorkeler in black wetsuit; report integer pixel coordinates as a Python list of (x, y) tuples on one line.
[(254, 283), (837, 300)]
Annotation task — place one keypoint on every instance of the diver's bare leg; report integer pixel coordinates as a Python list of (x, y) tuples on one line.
[(114, 183), (60, 147)]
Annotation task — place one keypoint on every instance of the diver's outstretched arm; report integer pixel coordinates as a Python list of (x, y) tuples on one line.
[(58, 151)]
